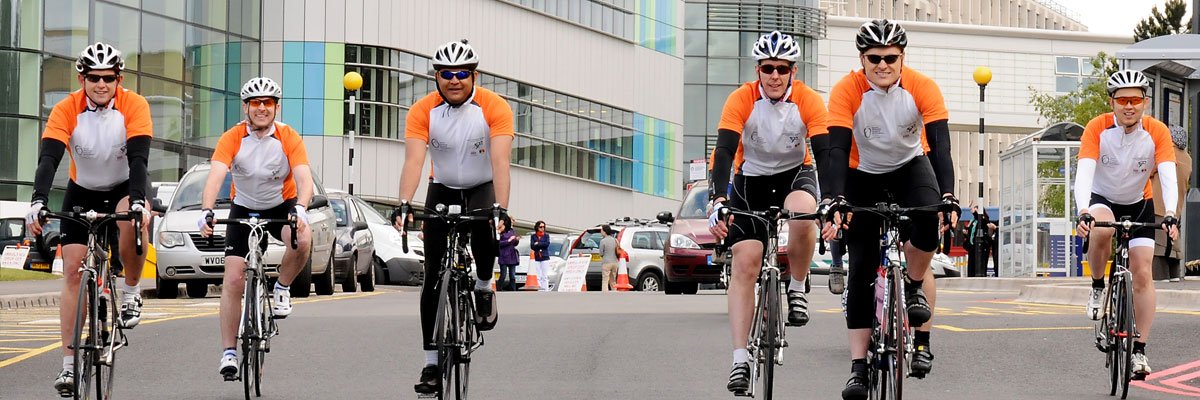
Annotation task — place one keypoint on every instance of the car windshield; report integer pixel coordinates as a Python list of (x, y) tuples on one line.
[(191, 188), (371, 214), (12, 228), (695, 206), (339, 211)]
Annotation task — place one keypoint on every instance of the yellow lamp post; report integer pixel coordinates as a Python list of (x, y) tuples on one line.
[(982, 76), (352, 81)]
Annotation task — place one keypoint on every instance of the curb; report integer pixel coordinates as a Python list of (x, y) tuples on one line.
[(16, 301), (1003, 284), (1168, 299)]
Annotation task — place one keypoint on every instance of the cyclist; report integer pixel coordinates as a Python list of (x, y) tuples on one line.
[(888, 134), (468, 133), (761, 139), (1117, 153), (271, 179), (108, 129)]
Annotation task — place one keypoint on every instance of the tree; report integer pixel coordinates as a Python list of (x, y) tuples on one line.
[(1168, 22), (1082, 104)]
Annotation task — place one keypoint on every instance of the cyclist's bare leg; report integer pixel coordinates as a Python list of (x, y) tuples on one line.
[(72, 260), (918, 262), (1100, 241), (231, 299), (1144, 297), (802, 235), (859, 340), (747, 263), (130, 260), (294, 259)]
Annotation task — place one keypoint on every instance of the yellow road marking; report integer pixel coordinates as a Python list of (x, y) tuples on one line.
[(1048, 328), (58, 343)]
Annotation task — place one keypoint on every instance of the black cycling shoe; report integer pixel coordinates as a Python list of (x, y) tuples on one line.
[(797, 308), (922, 362), (485, 309), (739, 379), (856, 387), (918, 307), (837, 279), (431, 380)]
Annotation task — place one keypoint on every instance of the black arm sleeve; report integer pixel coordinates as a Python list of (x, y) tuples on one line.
[(49, 156), (137, 151), (727, 143), (937, 133), (832, 152)]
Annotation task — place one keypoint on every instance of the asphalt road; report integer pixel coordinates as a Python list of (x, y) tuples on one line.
[(600, 346)]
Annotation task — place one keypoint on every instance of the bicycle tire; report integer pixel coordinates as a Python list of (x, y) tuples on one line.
[(467, 333), (900, 330), (249, 331), (1128, 327), (84, 355), (264, 334), (105, 370), (770, 331), (444, 334), (877, 373), (1111, 340)]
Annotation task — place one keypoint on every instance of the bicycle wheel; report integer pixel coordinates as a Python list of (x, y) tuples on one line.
[(1112, 353), (85, 355), (899, 334), (468, 335), (266, 329), (770, 331), (446, 334), (108, 343), (1126, 327), (249, 333)]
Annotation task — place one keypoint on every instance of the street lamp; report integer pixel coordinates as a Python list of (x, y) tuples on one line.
[(982, 75), (352, 81)]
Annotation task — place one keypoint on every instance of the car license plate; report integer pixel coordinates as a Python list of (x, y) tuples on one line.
[(596, 257), (710, 259), (520, 278), (40, 267), (214, 260)]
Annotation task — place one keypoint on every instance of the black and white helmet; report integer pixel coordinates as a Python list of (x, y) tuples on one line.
[(778, 46), (99, 56), (880, 33), (455, 54), (1127, 78), (261, 87)]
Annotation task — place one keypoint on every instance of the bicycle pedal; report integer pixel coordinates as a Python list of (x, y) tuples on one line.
[(742, 394), (1138, 376), (273, 316), (427, 395), (918, 375), (230, 377)]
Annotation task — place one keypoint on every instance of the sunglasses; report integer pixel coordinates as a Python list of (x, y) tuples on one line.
[(875, 58), (1131, 100), (448, 75), (97, 78), (769, 69), (256, 103)]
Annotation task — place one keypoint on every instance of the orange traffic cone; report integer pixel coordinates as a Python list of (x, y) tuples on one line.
[(623, 274), (531, 279)]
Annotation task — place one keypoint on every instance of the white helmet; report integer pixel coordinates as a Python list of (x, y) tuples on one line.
[(880, 33), (1127, 78), (261, 87), (776, 45), (99, 56), (455, 54)]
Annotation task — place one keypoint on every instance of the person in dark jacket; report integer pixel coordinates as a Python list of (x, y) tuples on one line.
[(508, 258), (539, 254)]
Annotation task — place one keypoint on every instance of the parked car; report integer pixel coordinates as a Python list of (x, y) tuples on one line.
[(641, 239), (354, 249), (555, 266), (943, 265), (688, 253), (391, 263), (13, 233), (186, 257)]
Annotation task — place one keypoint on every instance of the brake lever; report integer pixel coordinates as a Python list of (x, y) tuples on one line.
[(137, 232)]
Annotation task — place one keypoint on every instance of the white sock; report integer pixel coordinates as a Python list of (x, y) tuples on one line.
[(741, 356), (68, 362), (279, 286), (431, 357), (129, 291), (483, 284), (229, 352), (796, 285)]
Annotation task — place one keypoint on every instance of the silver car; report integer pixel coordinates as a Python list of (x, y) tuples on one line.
[(391, 263), (186, 257), (355, 246), (642, 240)]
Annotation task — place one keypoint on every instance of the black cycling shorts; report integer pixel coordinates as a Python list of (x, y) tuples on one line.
[(89, 200), (1142, 211), (237, 236), (758, 193)]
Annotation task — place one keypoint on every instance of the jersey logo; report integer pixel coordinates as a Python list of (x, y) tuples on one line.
[(477, 147), (275, 174), (1109, 160), (437, 144), (910, 129), (1141, 164), (755, 138), (872, 132), (84, 152)]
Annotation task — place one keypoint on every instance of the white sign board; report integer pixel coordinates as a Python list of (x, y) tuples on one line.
[(13, 257), (698, 171), (574, 276)]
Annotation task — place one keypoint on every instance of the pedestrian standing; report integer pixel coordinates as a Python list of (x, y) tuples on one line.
[(1167, 265), (539, 254), (608, 258), (508, 258)]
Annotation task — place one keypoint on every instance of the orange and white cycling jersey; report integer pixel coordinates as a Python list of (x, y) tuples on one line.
[(773, 133), (261, 167), (96, 136), (459, 137), (1124, 161), (888, 125)]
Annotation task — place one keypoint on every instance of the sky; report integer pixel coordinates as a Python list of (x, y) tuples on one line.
[(1116, 17)]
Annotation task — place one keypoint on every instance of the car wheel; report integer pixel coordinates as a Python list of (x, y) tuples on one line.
[(367, 280), (350, 283), (196, 290), (649, 282), (672, 287), (166, 289), (381, 273), (691, 288), (302, 285), (324, 282)]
